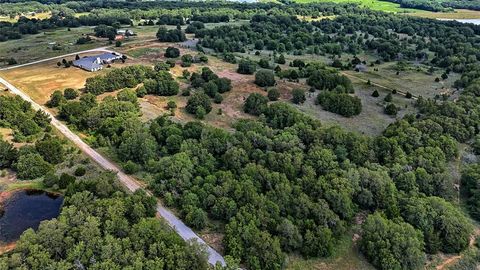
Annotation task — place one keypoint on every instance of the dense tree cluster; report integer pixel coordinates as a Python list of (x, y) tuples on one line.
[(102, 227), (341, 103), (115, 79), (173, 35)]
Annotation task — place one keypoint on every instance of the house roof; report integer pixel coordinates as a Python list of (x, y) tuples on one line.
[(90, 63)]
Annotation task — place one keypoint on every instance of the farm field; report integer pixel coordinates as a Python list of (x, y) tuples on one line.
[(372, 4)]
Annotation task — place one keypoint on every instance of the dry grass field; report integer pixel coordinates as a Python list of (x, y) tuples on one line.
[(42, 79)]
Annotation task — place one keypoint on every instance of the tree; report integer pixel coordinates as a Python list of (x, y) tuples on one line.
[(210, 88), (137, 145), (51, 149), (391, 244), (375, 94), (197, 100), (196, 217), (118, 43), (246, 67), (388, 97), (31, 166), (70, 94), (172, 52), (255, 104), (281, 59), (391, 109), (298, 96), (273, 94), (8, 154), (342, 104), (264, 78), (223, 84), (56, 99)]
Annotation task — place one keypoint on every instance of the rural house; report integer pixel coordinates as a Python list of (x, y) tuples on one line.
[(96, 62)]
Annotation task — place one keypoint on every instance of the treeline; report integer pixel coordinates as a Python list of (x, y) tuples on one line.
[(438, 5)]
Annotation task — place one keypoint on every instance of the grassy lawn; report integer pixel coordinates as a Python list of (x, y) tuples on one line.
[(40, 46), (40, 80)]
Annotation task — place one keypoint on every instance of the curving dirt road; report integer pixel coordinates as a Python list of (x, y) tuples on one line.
[(130, 183)]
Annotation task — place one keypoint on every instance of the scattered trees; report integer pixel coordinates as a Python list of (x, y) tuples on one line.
[(264, 78)]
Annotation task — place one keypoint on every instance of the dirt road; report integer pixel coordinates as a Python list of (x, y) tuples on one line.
[(130, 183)]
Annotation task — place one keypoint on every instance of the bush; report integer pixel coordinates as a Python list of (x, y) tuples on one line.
[(298, 96), (171, 104), (141, 91), (408, 95), (56, 99), (197, 100), (50, 179), (80, 171), (255, 104), (388, 98), (70, 93), (264, 78), (31, 166), (218, 98), (391, 109), (65, 180), (246, 67), (131, 167), (273, 94), (172, 52), (375, 94), (342, 104)]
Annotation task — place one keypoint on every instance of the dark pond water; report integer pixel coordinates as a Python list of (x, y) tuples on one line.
[(26, 209)]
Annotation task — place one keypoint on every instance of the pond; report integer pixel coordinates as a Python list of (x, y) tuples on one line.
[(26, 209)]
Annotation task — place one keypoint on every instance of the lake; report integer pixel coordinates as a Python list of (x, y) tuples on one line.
[(26, 209)]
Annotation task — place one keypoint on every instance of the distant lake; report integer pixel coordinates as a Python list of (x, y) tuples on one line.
[(474, 21), (25, 209)]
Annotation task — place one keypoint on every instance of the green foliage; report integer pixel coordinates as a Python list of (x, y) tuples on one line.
[(264, 78), (51, 149), (31, 166), (273, 94), (246, 67), (391, 109), (80, 171), (69, 94), (298, 96), (172, 52), (342, 104), (162, 84), (173, 35), (198, 100), (392, 244), (255, 104)]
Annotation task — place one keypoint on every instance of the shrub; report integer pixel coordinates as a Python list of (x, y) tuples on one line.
[(255, 104), (273, 94), (375, 94), (298, 96), (264, 78), (388, 98), (342, 104), (391, 109), (246, 67), (70, 93), (197, 100), (172, 52), (80, 171)]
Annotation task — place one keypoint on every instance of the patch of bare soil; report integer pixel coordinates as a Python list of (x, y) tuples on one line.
[(214, 240)]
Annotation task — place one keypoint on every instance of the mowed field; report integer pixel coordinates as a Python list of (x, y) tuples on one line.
[(42, 79), (35, 47)]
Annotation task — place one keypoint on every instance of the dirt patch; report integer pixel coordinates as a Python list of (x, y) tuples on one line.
[(214, 240)]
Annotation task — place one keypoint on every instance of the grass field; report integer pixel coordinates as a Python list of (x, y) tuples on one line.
[(40, 46), (458, 14), (40, 80), (40, 16), (372, 4)]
